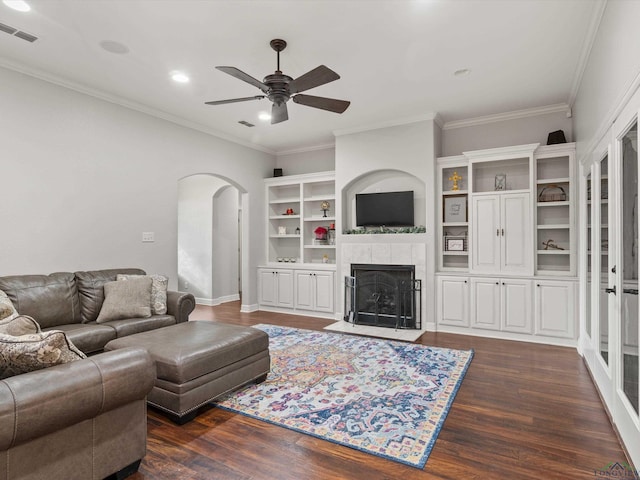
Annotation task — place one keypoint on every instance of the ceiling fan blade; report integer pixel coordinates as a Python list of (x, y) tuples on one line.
[(279, 113), (314, 78), (331, 104), (239, 74), (234, 100)]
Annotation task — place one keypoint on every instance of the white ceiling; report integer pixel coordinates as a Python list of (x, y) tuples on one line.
[(396, 58)]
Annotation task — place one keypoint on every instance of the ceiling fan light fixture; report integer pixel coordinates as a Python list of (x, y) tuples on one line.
[(179, 77), (264, 116), (19, 5)]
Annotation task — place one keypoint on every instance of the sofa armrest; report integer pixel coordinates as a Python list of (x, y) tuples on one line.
[(44, 401), (180, 305)]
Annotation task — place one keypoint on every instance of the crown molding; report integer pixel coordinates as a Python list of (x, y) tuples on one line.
[(501, 117), (306, 149), (587, 45), (391, 123), (41, 75)]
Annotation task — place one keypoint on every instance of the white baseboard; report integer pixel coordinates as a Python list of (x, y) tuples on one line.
[(212, 302), (249, 308)]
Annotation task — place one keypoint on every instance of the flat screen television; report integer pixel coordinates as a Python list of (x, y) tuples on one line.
[(391, 209)]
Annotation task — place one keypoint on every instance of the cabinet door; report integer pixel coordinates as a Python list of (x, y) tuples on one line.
[(453, 301), (267, 287), (485, 303), (485, 239), (554, 310), (515, 233), (516, 305), (324, 289), (304, 290), (284, 279)]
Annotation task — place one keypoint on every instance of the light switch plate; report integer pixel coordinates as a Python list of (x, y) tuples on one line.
[(148, 237)]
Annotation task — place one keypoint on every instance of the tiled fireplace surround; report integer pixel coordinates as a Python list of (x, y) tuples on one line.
[(384, 249)]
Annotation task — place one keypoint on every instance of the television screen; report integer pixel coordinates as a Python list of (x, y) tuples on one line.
[(391, 209)]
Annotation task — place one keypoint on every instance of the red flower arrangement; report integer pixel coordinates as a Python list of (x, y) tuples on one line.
[(321, 233)]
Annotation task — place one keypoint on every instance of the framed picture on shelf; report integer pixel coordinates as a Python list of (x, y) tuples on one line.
[(454, 244), (455, 209)]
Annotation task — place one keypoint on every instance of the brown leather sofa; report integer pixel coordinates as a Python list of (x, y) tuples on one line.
[(71, 302), (77, 421)]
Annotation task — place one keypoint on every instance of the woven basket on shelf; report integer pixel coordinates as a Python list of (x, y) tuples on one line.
[(552, 193)]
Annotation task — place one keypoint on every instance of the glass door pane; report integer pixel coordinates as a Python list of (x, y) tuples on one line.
[(603, 249), (629, 322), (590, 254)]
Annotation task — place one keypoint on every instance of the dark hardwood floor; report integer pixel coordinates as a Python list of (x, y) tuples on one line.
[(524, 411)]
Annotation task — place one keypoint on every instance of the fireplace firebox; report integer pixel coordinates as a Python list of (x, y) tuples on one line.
[(383, 296)]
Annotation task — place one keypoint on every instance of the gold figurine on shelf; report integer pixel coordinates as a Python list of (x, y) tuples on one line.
[(455, 178)]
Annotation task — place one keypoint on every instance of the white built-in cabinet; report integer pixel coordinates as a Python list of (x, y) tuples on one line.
[(299, 273), (506, 264)]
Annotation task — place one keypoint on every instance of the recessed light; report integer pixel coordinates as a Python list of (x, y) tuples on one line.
[(19, 5), (462, 72), (114, 47), (179, 77), (264, 116)]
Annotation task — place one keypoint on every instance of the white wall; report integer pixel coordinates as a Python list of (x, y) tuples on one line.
[(83, 178), (311, 161), (225, 245), (612, 68), (518, 131)]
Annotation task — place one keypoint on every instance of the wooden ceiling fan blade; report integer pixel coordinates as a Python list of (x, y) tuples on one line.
[(279, 113), (235, 100), (314, 78), (331, 104), (239, 74)]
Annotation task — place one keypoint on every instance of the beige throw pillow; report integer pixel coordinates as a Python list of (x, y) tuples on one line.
[(34, 352), (20, 325), (7, 310), (159, 286), (130, 299)]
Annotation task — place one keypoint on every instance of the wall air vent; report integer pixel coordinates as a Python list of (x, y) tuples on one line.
[(17, 33), (246, 124)]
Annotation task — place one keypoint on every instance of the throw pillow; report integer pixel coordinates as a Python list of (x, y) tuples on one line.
[(159, 286), (34, 352), (20, 325), (130, 299), (7, 310)]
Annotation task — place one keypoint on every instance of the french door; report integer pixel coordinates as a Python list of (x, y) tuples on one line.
[(611, 269)]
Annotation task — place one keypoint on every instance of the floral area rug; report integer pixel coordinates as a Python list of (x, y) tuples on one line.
[(383, 397)]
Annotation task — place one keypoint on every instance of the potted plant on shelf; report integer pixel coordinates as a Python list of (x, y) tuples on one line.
[(321, 236)]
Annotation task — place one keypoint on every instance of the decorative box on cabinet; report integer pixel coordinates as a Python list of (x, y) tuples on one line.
[(453, 301), (275, 287), (314, 290), (502, 304)]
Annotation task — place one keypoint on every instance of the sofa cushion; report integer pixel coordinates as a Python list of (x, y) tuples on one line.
[(50, 299), (7, 310), (34, 352), (159, 285), (130, 299), (20, 325), (130, 326), (91, 289), (88, 337)]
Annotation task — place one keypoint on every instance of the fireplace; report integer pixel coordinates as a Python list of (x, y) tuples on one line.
[(383, 296)]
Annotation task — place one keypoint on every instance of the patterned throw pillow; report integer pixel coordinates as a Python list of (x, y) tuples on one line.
[(34, 352), (130, 299), (159, 286), (7, 310), (20, 325)]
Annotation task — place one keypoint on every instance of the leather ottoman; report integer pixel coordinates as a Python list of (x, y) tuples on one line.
[(197, 361)]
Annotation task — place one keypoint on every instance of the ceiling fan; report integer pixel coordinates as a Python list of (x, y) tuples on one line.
[(279, 88)]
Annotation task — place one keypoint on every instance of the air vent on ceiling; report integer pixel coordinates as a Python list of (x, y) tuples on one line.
[(246, 124), (17, 33)]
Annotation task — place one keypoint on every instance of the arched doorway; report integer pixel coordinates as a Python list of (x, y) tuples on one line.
[(210, 238)]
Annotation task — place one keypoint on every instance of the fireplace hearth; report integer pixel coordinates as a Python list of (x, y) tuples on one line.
[(383, 296)]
